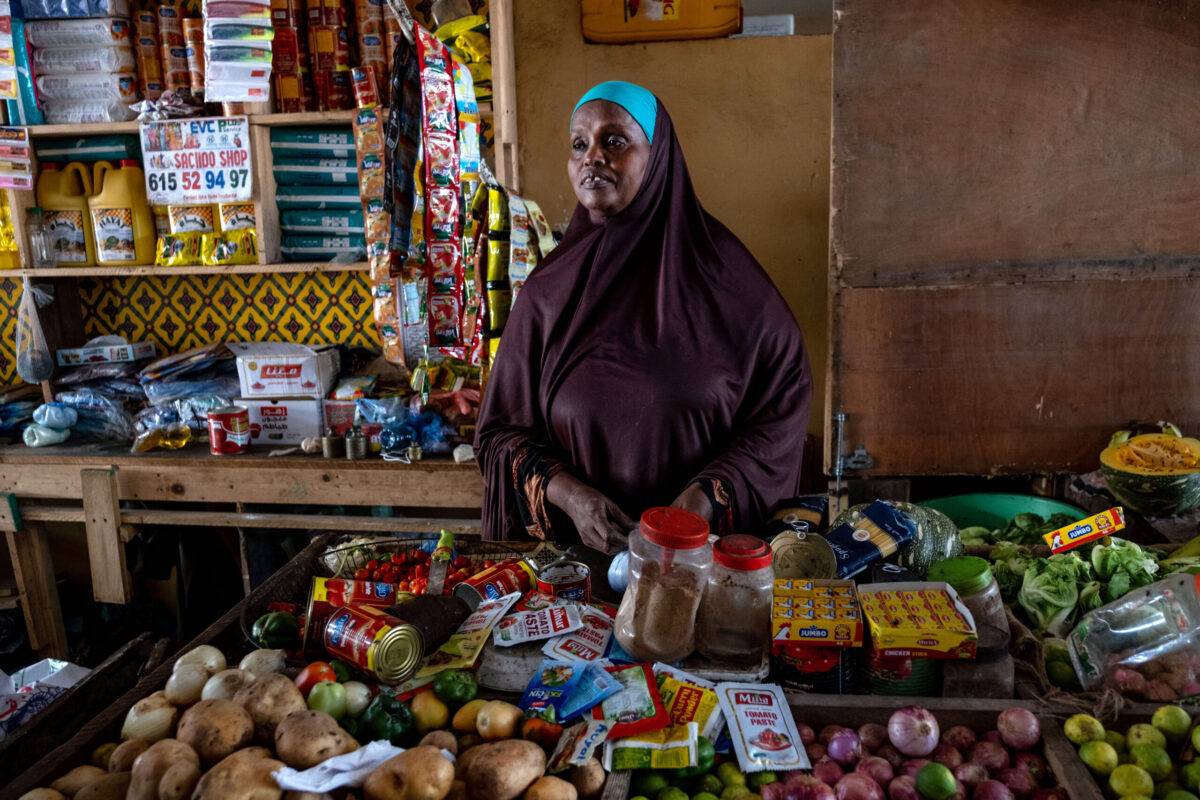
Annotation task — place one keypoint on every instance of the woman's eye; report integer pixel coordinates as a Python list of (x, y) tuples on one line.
[(577, 146), (614, 142)]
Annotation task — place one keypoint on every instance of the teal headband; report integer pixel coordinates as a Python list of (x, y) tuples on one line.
[(641, 104)]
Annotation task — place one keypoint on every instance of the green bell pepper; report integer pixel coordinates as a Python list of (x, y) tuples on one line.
[(705, 755), (341, 669), (276, 630), (454, 687), (388, 718), (354, 727)]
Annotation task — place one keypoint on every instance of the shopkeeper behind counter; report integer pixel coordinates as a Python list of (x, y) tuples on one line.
[(648, 361)]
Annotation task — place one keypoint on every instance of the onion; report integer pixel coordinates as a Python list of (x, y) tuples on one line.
[(990, 756), (945, 754), (1056, 793), (186, 683), (206, 655), (993, 737), (774, 791), (807, 734), (913, 766), (151, 718), (970, 774), (913, 731), (358, 697), (891, 755), (1020, 782), (992, 790), (816, 751), (960, 791), (960, 737), (1032, 763), (263, 662), (879, 770), (872, 735), (857, 786), (828, 771), (225, 684), (806, 787), (1019, 728), (828, 731), (903, 788), (844, 747)]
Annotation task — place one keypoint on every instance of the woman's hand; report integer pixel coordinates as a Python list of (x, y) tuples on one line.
[(694, 499), (602, 525)]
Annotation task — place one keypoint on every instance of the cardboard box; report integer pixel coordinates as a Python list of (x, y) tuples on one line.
[(71, 357), (339, 417), (282, 369), (918, 620), (283, 421), (816, 612)]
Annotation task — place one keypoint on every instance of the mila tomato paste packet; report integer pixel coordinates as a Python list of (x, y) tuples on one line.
[(761, 727)]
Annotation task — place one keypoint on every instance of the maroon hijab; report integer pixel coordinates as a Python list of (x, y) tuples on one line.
[(646, 353)]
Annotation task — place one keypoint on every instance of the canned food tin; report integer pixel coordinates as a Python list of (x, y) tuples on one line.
[(566, 580), (375, 642), (797, 554), (510, 575), (330, 594), (228, 431)]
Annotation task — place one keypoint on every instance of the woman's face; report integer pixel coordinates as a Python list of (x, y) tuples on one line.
[(609, 153)]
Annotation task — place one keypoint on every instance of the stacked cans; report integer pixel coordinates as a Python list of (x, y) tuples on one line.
[(289, 54), (148, 53), (173, 50)]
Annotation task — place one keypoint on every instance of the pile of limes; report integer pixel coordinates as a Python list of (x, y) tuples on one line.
[(1147, 760), (721, 782)]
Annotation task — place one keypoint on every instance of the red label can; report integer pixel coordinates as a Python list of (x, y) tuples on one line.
[(510, 575), (566, 580), (229, 431), (330, 594), (374, 641)]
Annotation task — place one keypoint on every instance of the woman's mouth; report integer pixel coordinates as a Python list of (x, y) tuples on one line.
[(595, 180)]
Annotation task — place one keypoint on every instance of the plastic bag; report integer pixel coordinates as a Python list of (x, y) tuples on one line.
[(101, 418), (34, 362), (56, 415), (40, 436)]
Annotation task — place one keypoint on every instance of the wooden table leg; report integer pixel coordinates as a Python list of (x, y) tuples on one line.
[(106, 550), (34, 570)]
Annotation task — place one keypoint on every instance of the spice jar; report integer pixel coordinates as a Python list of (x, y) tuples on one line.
[(734, 623), (669, 562), (971, 577)]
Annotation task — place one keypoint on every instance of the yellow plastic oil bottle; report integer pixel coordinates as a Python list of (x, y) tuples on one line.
[(63, 193), (121, 218)]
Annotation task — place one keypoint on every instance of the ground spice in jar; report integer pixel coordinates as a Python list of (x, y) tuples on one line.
[(664, 613)]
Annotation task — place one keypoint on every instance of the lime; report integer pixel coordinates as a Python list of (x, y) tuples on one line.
[(648, 783), (1196, 737), (1145, 734), (729, 775), (761, 779), (1179, 794), (1082, 728), (1190, 775), (734, 791), (1117, 740), (1061, 674), (1173, 721), (672, 793), (639, 797), (1130, 779), (704, 796), (1161, 790), (936, 782), (710, 784), (1100, 757), (1152, 759)]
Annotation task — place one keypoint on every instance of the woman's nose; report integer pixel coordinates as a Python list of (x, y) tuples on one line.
[(594, 154)]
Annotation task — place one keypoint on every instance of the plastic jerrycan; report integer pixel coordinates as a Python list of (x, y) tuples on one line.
[(63, 192), (122, 222)]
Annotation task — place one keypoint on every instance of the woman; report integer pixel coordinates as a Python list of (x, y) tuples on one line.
[(648, 361)]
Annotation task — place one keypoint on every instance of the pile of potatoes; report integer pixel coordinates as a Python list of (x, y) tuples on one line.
[(217, 734)]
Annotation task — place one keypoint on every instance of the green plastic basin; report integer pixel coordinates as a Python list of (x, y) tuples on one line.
[(993, 511)]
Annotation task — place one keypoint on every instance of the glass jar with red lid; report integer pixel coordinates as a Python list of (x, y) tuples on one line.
[(734, 621), (669, 562)]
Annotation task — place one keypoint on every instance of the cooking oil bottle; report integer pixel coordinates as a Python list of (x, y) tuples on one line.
[(122, 222), (62, 193)]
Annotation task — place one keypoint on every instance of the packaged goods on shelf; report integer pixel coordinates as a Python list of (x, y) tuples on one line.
[(283, 421), (236, 216), (103, 32), (88, 148), (275, 369), (348, 222), (237, 33), (148, 53), (321, 248), (317, 197), (316, 171), (317, 142), (62, 9), (76, 112), (23, 110), (192, 219), (73, 59), (91, 87)]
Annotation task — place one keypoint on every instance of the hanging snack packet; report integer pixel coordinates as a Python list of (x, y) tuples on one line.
[(464, 647), (577, 744), (638, 707), (530, 626), (761, 727), (561, 690)]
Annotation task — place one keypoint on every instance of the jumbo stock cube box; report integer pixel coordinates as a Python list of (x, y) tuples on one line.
[(283, 369), (283, 421)]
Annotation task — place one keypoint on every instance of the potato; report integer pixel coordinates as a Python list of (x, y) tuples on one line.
[(245, 775), (123, 757), (215, 729), (112, 786), (102, 754), (462, 763), (263, 662), (442, 740), (467, 741), (43, 793), (151, 718), (458, 791), (588, 779), (150, 767), (178, 781), (306, 738), (498, 720), (549, 787), (421, 773), (504, 770), (268, 700), (464, 718), (76, 779)]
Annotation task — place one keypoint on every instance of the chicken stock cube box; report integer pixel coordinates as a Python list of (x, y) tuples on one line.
[(283, 369), (283, 421), (919, 620)]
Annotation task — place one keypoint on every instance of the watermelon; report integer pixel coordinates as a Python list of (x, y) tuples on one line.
[(1156, 474)]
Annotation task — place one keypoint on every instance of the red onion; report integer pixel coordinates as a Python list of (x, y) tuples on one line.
[(844, 747), (816, 751), (872, 735), (807, 734), (891, 755), (806, 787), (993, 737), (960, 791), (990, 756), (960, 737), (857, 786), (945, 754), (913, 731), (903, 788), (828, 771), (992, 790), (1020, 782), (970, 774), (913, 766), (774, 791), (879, 770), (1032, 763), (1058, 793), (828, 731), (1019, 728)]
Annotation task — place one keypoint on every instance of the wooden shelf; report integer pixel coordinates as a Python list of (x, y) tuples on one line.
[(84, 129), (303, 118), (237, 269)]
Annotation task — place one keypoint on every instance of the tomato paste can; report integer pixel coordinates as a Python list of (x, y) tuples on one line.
[(228, 431), (329, 594), (566, 580), (374, 641), (510, 575)]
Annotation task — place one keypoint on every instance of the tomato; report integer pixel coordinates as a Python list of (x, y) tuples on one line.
[(402, 586), (377, 575), (424, 557), (362, 574), (462, 562), (397, 559), (373, 564), (313, 674), (421, 571)]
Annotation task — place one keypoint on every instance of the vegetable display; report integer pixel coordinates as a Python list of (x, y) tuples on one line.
[(1149, 760)]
